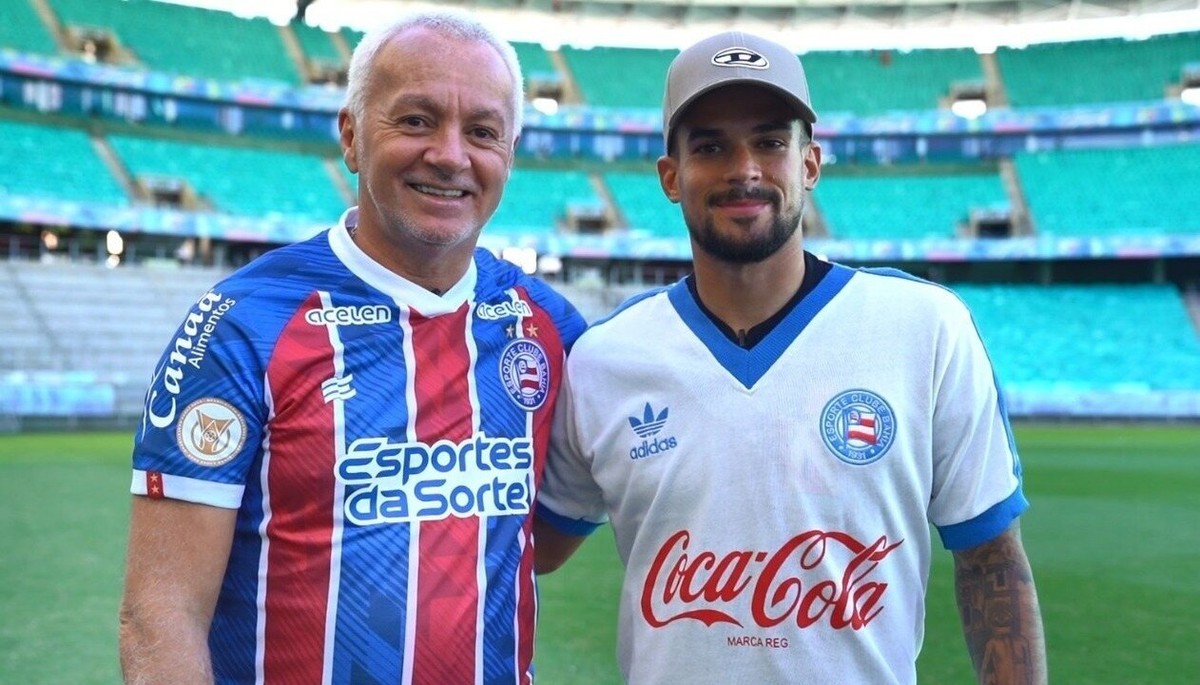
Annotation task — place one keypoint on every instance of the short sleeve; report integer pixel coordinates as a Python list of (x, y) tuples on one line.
[(977, 489), (204, 413), (569, 498)]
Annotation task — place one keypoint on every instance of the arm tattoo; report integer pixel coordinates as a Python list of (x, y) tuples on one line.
[(998, 606)]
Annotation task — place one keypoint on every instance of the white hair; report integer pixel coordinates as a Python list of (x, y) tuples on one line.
[(449, 23)]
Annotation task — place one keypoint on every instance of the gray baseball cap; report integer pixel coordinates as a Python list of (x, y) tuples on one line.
[(729, 58)]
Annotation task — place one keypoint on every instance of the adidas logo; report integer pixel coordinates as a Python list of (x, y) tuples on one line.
[(647, 428), (650, 424)]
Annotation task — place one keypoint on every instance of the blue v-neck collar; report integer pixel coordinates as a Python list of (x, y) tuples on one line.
[(749, 365)]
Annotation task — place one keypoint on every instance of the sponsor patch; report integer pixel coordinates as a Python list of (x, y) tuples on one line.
[(525, 372), (503, 310), (404, 482), (210, 432), (858, 426), (187, 351), (349, 316)]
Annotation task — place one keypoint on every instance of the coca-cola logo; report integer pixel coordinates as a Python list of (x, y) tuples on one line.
[(786, 584)]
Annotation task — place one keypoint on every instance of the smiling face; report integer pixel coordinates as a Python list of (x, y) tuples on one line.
[(433, 144), (741, 164)]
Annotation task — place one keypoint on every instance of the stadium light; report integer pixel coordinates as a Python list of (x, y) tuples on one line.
[(550, 264), (115, 243), (969, 108), (547, 106), (524, 257)]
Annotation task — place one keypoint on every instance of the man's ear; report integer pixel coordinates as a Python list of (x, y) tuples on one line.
[(812, 165), (668, 176), (346, 139), (512, 152)]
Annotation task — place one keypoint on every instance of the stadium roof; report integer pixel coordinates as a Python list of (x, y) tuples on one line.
[(804, 25)]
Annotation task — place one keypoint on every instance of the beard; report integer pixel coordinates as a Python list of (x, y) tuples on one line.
[(735, 250)]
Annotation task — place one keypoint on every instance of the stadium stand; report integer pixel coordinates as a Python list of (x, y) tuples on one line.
[(23, 30), (535, 62), (643, 204), (887, 80), (351, 36), (254, 182), (1114, 191), (23, 342), (1087, 337), (1095, 71), (317, 44), (54, 162), (86, 317), (905, 204), (540, 199), (181, 40), (619, 77)]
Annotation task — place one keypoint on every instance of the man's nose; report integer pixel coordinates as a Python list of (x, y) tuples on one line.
[(447, 151), (743, 165)]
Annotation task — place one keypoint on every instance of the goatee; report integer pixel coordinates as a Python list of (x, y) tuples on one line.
[(730, 249)]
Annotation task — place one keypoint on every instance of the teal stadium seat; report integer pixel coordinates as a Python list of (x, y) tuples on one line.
[(619, 77), (352, 37), (886, 80), (1095, 71), (21, 29), (240, 181), (646, 209), (187, 40), (1121, 191), (56, 163), (905, 206), (536, 201), (534, 60), (1087, 337), (317, 44)]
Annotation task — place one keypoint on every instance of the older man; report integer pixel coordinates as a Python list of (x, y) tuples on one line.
[(334, 476)]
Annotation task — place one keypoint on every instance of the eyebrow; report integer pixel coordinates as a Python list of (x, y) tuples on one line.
[(766, 127)]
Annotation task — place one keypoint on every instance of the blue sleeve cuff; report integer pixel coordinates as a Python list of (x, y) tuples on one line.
[(987, 525), (563, 524)]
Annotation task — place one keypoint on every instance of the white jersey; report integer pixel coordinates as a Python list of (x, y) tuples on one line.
[(772, 505)]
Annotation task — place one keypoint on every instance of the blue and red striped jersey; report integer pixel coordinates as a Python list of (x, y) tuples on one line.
[(382, 446)]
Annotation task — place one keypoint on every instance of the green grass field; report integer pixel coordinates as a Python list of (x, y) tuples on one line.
[(1114, 536)]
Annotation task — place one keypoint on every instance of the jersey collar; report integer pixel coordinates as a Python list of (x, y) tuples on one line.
[(402, 290), (749, 365)]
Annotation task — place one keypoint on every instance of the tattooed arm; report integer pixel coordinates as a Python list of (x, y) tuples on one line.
[(998, 605)]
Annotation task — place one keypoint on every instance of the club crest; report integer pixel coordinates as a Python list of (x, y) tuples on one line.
[(858, 426), (525, 372)]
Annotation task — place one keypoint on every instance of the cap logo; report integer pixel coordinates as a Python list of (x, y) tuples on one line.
[(740, 57)]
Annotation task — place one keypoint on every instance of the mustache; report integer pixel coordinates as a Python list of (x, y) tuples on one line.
[(743, 194)]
